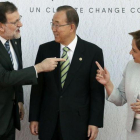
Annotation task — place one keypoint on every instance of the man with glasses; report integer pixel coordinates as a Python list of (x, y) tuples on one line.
[(68, 103), (12, 76)]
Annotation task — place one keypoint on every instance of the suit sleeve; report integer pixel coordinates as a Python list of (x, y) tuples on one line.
[(25, 76), (118, 96), (20, 94), (36, 93), (97, 93)]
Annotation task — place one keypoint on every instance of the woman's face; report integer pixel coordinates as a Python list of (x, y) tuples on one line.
[(135, 52)]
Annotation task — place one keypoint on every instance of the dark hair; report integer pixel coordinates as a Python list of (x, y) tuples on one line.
[(136, 37), (72, 16), (6, 7)]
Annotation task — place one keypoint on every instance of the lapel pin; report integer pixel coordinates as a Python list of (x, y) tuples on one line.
[(16, 43), (80, 59)]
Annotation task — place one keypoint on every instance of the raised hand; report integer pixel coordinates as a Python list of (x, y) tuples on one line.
[(102, 75)]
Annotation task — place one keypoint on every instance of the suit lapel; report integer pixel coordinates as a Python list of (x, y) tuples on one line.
[(78, 56), (57, 76), (5, 56)]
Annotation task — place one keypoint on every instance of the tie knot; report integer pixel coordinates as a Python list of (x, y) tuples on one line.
[(66, 49), (7, 43)]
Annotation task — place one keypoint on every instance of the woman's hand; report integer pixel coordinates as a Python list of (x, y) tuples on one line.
[(136, 107), (102, 75)]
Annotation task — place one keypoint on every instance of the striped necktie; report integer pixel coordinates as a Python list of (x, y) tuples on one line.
[(64, 66), (7, 46)]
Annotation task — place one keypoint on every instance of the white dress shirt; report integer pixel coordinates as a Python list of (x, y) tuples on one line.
[(72, 47), (15, 61)]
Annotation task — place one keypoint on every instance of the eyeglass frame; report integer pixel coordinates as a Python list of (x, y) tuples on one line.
[(57, 25), (16, 22)]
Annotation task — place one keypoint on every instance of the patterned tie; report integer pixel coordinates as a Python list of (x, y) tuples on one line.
[(64, 66), (7, 46)]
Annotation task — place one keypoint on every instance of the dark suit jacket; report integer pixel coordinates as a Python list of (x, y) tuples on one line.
[(10, 84), (81, 101)]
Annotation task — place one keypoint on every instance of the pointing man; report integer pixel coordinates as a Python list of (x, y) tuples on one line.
[(12, 76)]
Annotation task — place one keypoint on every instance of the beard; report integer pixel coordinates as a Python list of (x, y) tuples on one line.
[(16, 36), (11, 34)]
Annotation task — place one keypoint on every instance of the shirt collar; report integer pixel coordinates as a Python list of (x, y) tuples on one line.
[(72, 45), (3, 40)]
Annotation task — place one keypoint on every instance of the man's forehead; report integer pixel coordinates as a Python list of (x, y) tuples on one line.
[(59, 16), (12, 16)]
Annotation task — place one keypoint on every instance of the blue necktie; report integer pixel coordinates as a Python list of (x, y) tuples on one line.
[(7, 47)]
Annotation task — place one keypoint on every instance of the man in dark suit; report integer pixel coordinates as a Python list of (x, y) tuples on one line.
[(67, 103), (12, 76)]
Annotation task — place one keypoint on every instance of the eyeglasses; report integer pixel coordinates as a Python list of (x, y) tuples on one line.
[(57, 25), (16, 22)]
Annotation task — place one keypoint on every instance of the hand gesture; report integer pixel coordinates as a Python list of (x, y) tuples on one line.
[(48, 64), (102, 75)]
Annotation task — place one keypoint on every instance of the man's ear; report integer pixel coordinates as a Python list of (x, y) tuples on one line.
[(73, 28), (1, 27)]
